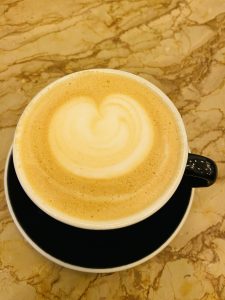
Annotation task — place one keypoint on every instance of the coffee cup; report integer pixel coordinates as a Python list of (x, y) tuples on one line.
[(104, 149)]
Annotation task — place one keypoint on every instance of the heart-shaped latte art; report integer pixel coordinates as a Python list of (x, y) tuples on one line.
[(100, 140)]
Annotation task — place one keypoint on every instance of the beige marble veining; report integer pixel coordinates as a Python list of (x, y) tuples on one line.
[(179, 46)]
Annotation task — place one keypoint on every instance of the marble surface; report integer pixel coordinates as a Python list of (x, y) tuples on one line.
[(179, 46)]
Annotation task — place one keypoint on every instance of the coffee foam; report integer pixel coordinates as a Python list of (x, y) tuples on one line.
[(98, 146), (100, 141)]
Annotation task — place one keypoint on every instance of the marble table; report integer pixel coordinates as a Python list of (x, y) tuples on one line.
[(177, 45)]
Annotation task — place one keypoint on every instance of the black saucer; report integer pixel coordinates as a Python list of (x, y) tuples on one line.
[(90, 250)]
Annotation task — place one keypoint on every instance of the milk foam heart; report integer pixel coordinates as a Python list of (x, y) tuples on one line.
[(100, 141)]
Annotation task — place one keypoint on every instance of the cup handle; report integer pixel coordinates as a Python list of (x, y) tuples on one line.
[(200, 171)]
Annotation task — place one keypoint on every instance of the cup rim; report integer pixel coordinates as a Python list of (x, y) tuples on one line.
[(118, 223)]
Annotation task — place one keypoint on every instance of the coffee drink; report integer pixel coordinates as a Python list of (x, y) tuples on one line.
[(98, 146)]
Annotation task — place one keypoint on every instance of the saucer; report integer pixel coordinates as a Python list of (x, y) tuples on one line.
[(97, 251)]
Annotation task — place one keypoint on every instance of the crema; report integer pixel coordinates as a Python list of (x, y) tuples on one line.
[(98, 146)]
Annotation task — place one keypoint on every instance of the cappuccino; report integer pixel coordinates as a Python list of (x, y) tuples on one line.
[(98, 146)]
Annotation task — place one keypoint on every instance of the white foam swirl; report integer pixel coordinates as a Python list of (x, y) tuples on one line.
[(100, 141)]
